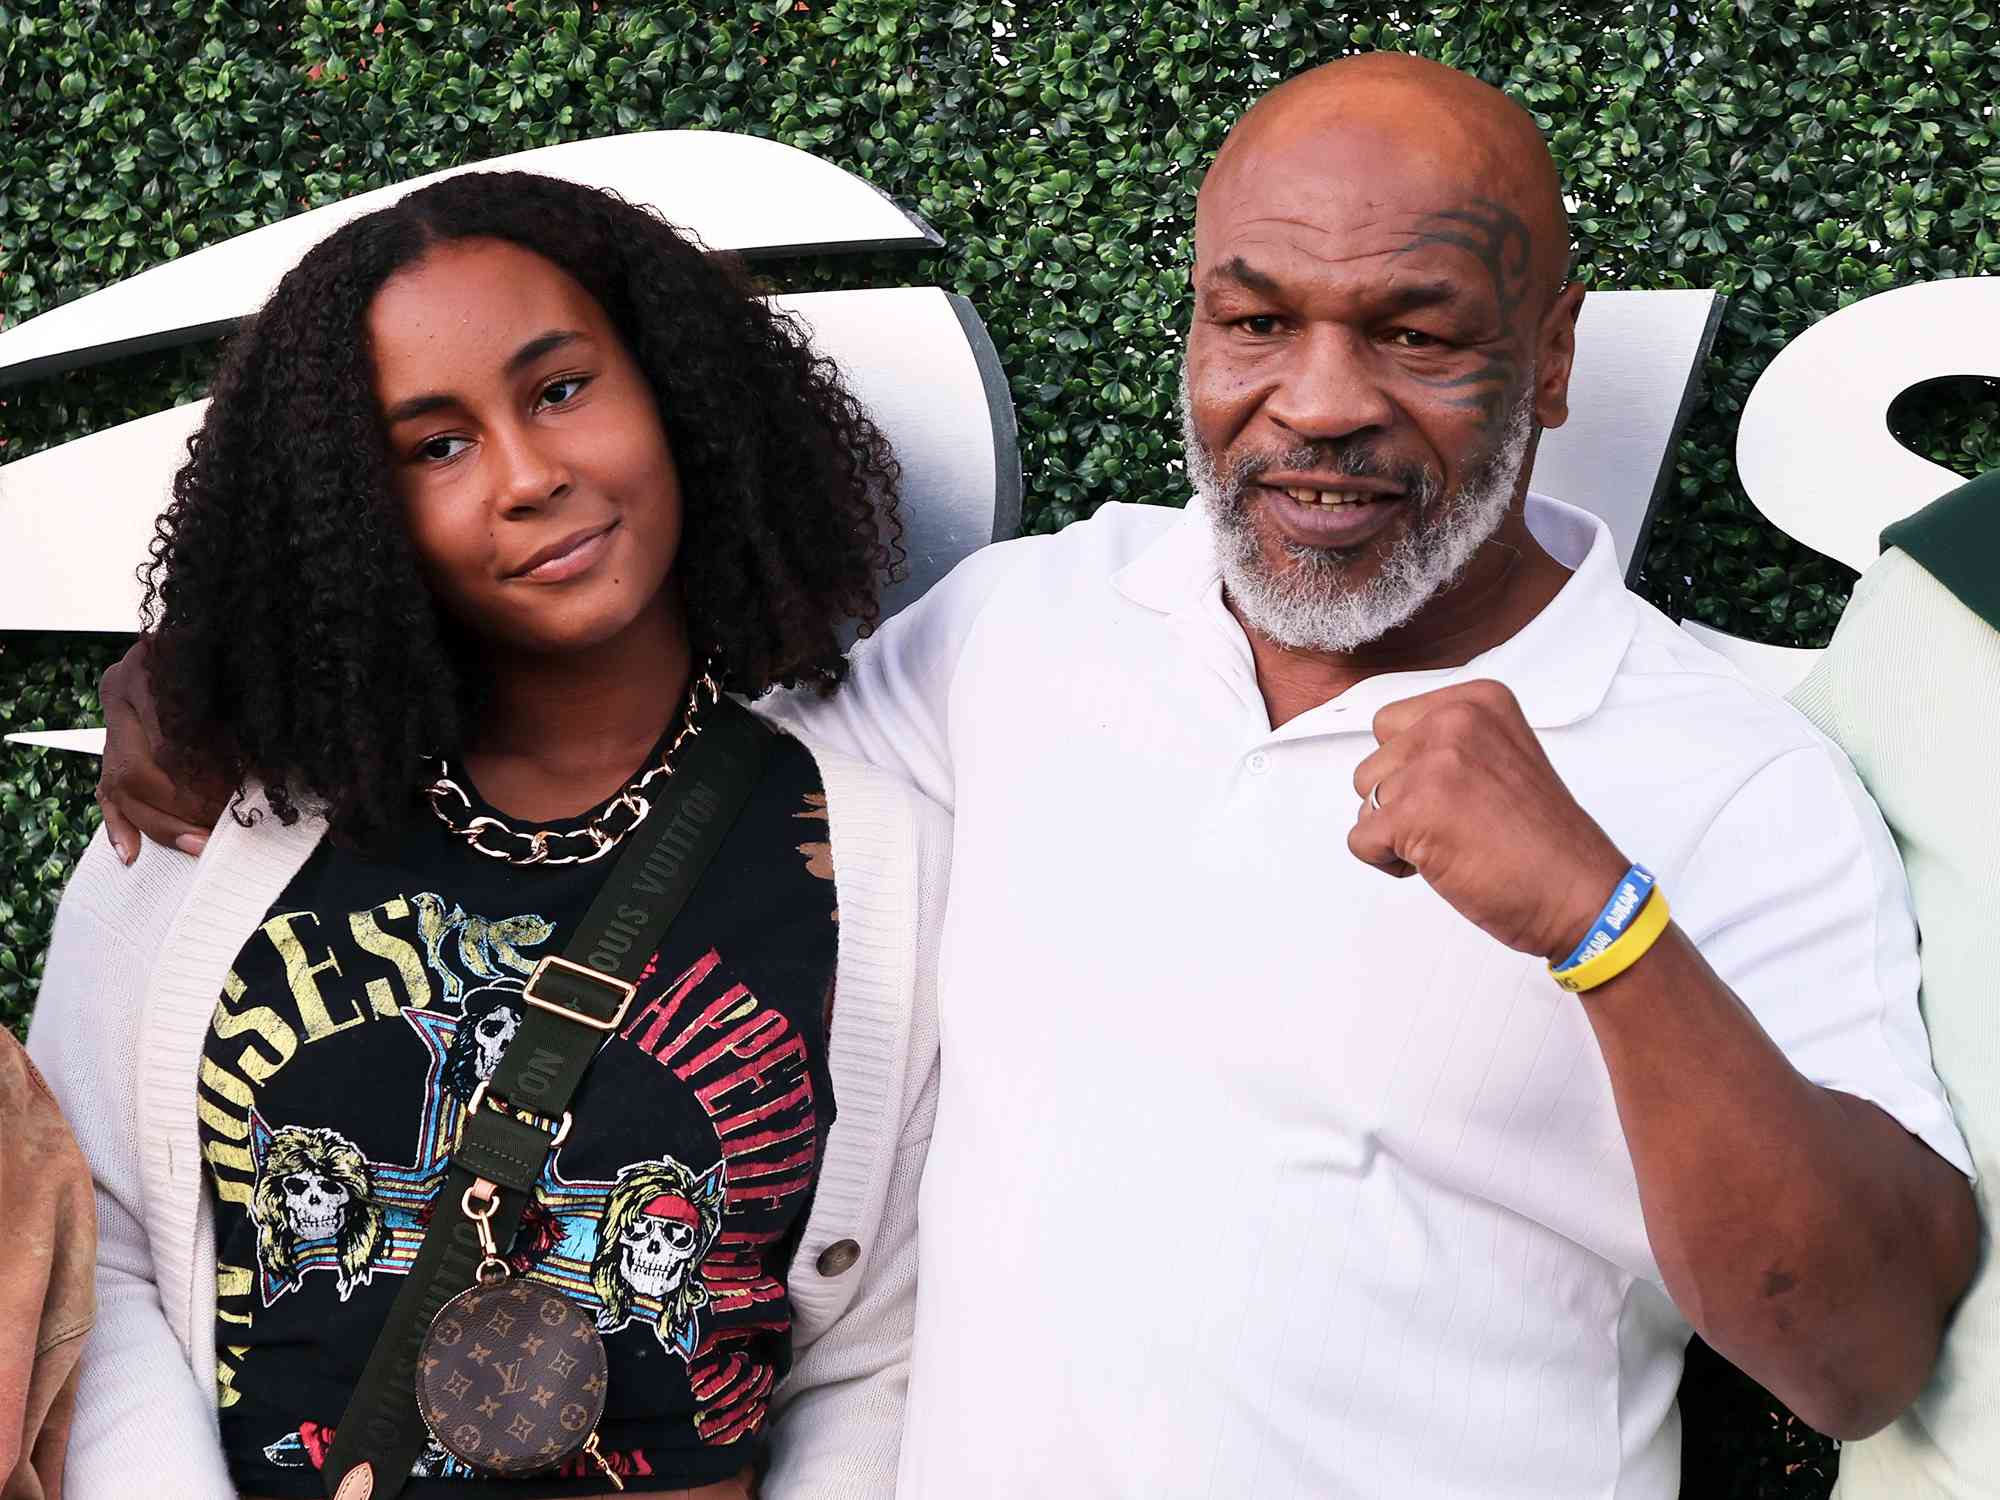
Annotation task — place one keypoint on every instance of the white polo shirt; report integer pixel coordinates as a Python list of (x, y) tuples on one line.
[(1257, 1173)]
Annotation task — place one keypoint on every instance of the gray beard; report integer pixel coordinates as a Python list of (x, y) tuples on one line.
[(1311, 604)]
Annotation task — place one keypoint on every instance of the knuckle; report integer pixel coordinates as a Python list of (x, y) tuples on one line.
[(1463, 716)]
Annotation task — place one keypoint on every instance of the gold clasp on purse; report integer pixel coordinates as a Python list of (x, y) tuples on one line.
[(491, 1267), (603, 1465)]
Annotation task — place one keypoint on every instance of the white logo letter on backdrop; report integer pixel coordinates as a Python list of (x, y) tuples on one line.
[(1814, 450)]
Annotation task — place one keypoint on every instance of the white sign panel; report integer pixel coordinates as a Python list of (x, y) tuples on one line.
[(734, 192)]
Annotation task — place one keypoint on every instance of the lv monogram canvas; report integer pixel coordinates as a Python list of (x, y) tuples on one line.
[(512, 1377)]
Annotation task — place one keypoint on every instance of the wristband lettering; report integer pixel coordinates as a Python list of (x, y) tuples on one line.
[(1625, 904), (1625, 950)]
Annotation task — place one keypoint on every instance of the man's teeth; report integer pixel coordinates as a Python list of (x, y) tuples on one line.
[(1331, 498)]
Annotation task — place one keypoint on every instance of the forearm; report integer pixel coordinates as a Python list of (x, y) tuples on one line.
[(1803, 1232)]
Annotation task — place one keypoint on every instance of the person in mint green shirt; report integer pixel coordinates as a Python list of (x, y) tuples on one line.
[(1910, 688)]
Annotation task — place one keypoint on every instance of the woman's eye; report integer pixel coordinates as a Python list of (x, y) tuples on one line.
[(436, 450), (556, 392)]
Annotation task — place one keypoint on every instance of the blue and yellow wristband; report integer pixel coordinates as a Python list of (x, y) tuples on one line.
[(1631, 922)]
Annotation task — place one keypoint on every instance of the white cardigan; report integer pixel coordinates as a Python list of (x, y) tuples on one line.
[(133, 975)]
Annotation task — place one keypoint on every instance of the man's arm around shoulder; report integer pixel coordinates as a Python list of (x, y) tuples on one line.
[(894, 709)]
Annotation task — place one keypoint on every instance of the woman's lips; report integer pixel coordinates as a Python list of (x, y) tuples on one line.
[(1355, 519), (571, 556)]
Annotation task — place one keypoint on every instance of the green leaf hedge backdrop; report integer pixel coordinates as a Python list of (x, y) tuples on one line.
[(1796, 155)]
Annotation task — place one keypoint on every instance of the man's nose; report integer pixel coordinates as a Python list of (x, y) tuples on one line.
[(1328, 388), (528, 471)]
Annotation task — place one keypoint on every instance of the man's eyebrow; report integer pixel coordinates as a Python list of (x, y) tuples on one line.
[(1421, 294), (1240, 271), (1408, 297), (519, 360)]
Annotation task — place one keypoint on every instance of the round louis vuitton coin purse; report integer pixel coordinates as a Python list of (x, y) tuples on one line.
[(512, 1375)]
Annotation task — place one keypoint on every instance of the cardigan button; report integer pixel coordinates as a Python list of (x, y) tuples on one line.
[(838, 1258)]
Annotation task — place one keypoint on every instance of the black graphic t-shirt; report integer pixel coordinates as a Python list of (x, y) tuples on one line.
[(356, 1023)]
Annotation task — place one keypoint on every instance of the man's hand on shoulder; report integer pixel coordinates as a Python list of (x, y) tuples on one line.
[(1460, 792), (138, 796)]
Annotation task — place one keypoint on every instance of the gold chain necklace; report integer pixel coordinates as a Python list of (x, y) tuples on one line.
[(578, 846)]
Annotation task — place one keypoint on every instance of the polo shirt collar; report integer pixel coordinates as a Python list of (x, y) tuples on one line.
[(1559, 666), (1173, 573)]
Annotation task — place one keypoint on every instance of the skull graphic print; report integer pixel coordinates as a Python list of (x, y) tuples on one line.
[(656, 1251), (314, 1202), (314, 1186), (660, 1220), (491, 1017)]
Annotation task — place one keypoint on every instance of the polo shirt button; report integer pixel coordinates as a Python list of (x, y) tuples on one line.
[(838, 1258), (1258, 763)]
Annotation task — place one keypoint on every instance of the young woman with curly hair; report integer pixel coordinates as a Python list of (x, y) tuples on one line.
[(501, 485)]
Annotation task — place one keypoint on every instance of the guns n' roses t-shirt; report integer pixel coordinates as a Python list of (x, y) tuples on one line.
[(356, 1023)]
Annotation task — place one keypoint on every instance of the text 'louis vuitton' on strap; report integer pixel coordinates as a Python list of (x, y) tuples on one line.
[(514, 1121)]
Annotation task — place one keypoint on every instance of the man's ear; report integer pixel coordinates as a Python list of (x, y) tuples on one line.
[(1555, 353)]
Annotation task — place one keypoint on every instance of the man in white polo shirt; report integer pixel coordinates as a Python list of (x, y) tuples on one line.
[(1258, 1172)]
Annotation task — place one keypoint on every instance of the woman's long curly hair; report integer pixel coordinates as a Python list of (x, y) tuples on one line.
[(297, 643)]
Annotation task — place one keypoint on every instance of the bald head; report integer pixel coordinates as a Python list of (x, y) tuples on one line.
[(1386, 131)]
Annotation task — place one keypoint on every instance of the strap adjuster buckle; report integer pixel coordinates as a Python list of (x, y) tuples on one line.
[(479, 1097), (568, 973)]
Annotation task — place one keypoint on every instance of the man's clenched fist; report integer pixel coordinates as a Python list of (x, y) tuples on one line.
[(1464, 796)]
